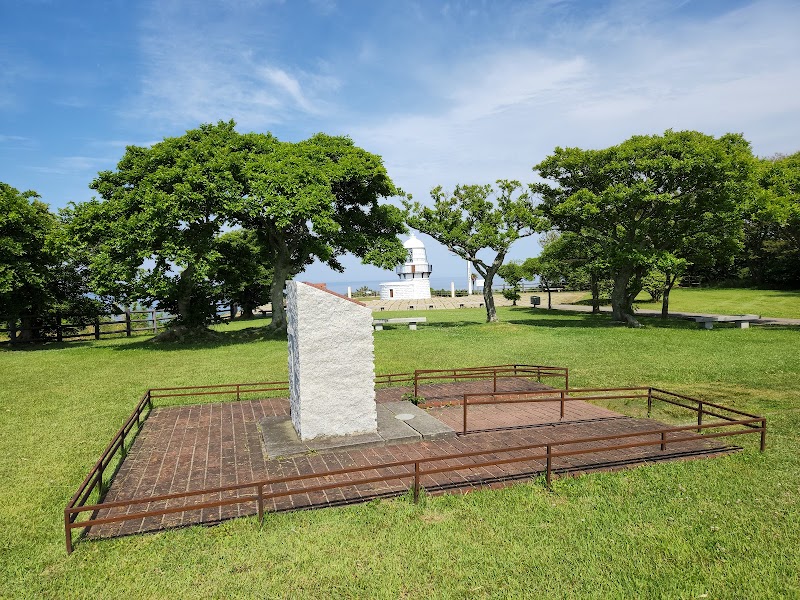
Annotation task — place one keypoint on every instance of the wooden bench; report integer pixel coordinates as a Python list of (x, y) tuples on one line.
[(411, 321), (740, 321)]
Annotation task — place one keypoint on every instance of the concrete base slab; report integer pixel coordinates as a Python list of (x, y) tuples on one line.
[(429, 427), (281, 440)]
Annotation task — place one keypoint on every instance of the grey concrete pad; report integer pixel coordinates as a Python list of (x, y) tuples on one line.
[(280, 438), (429, 427), (395, 431)]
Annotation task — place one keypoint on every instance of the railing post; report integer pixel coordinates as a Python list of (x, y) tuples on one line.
[(494, 374), (97, 328), (416, 383), (260, 491), (100, 481), (649, 401), (563, 393), (12, 331), (68, 531), (763, 435), (699, 417), (416, 481), (464, 430), (663, 441), (566, 379), (59, 332), (237, 393), (128, 327), (155, 322), (547, 476), (122, 449)]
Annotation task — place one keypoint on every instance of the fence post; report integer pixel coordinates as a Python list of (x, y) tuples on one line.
[(663, 441), (416, 481), (566, 379), (563, 393), (549, 468), (155, 322), (68, 531), (464, 431), (97, 328), (494, 374), (12, 331), (122, 449), (128, 326), (763, 434), (260, 489), (416, 384), (699, 417), (59, 333), (649, 401)]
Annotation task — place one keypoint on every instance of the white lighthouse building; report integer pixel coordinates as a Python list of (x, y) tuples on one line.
[(415, 274)]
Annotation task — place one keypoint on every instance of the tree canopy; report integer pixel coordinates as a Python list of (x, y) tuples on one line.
[(772, 223), (155, 236), (639, 201), (475, 218), (318, 199), (41, 272)]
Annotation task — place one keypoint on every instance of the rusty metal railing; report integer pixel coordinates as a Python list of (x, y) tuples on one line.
[(493, 372), (95, 481), (701, 407), (413, 472)]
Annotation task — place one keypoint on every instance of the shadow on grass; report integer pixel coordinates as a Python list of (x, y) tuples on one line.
[(39, 346), (557, 318), (214, 339)]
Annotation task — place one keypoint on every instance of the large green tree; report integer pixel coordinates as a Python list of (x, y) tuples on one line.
[(316, 200), (475, 218), (772, 223), (639, 200), (153, 236), (41, 272)]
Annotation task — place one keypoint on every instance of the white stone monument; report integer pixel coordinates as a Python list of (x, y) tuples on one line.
[(415, 274), (331, 363)]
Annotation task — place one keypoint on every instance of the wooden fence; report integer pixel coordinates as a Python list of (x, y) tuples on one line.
[(62, 328)]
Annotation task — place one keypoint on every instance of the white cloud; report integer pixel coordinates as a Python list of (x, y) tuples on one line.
[(70, 165), (593, 86), (200, 70)]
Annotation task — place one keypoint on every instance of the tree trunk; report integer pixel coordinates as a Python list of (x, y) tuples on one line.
[(669, 281), (28, 332), (192, 312), (279, 277), (621, 298), (488, 298), (594, 285)]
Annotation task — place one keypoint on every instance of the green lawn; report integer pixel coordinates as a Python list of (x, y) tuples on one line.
[(717, 528), (729, 301)]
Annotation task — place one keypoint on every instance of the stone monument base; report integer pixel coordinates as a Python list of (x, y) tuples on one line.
[(398, 423)]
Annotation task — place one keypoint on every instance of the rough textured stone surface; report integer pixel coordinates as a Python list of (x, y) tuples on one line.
[(331, 363)]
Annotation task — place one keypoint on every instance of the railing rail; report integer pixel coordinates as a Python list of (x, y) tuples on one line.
[(414, 474), (490, 372), (95, 480)]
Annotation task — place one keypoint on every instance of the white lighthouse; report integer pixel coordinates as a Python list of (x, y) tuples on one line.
[(415, 274)]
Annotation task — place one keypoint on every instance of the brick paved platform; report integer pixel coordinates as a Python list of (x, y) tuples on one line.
[(188, 448)]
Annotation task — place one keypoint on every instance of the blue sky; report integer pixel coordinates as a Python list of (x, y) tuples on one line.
[(446, 92)]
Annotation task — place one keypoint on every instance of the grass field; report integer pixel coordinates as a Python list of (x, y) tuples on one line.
[(727, 301), (718, 528)]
